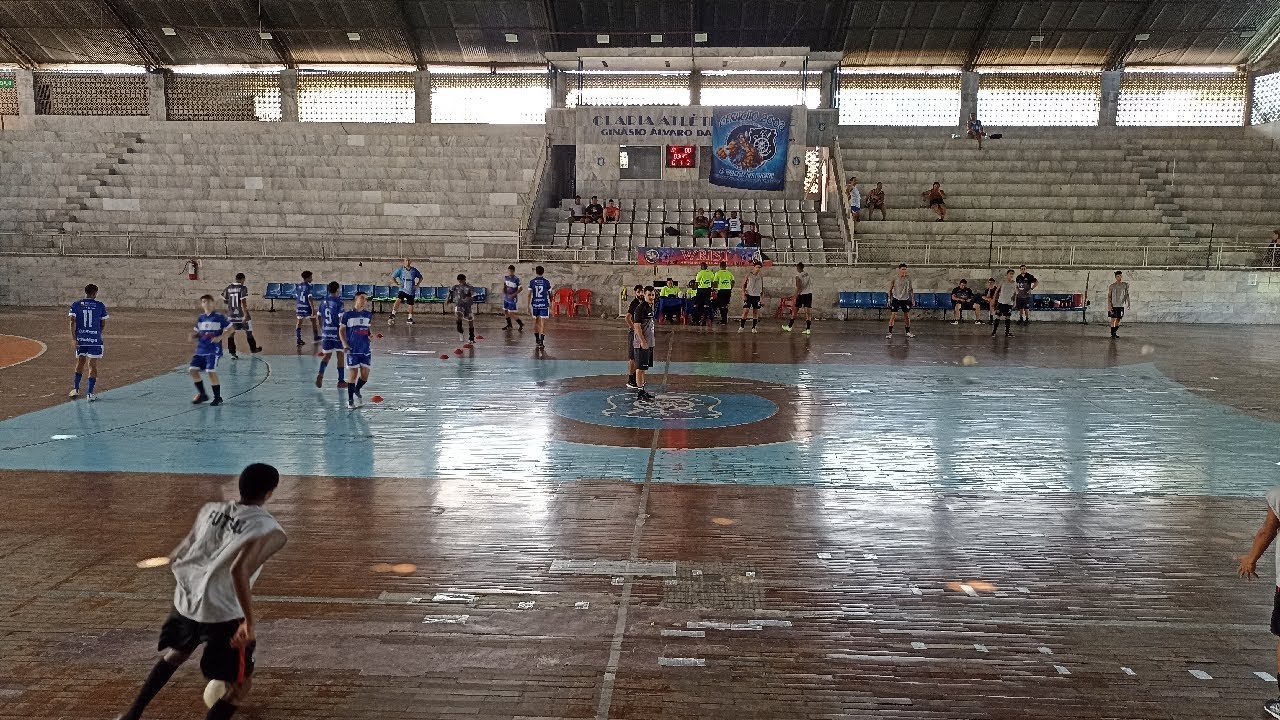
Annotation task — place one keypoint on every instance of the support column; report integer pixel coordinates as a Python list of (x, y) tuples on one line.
[(824, 89), (1109, 104), (695, 87), (559, 88), (969, 82), (421, 96), (26, 86), (1248, 97), (289, 95), (157, 101)]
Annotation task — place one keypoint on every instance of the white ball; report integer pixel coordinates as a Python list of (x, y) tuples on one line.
[(969, 360), (1148, 349), (213, 692)]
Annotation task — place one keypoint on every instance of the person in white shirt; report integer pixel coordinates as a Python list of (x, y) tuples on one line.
[(577, 211), (215, 568), (855, 203), (735, 224), (1249, 571)]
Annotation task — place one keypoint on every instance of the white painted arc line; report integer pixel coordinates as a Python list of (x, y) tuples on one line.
[(1045, 650), (1200, 675), (1265, 677), (1128, 671), (1061, 670)]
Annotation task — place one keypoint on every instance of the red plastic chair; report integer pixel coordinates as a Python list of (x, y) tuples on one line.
[(563, 299), (583, 300), (786, 304)]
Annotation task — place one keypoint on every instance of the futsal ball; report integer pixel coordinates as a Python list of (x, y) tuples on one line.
[(213, 692), (377, 398), (1148, 349), (969, 360)]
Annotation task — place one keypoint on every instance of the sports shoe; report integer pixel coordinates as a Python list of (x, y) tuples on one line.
[(644, 395), (408, 320), (741, 329), (351, 404), (889, 336), (786, 328), (1272, 707), (319, 381), (301, 342), (391, 320), (342, 384), (631, 385), (461, 338), (90, 397), (955, 322), (199, 399), (754, 330), (216, 402), (910, 334), (807, 331), (255, 349), (1008, 334), (73, 394), (235, 356), (359, 399), (977, 322)]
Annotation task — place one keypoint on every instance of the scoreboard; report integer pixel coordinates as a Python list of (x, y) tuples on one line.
[(682, 156)]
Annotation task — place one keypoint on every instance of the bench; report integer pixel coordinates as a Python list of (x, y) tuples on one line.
[(378, 294), (1040, 302)]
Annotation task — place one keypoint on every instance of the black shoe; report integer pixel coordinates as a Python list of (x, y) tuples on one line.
[(521, 324), (235, 356), (199, 399), (1008, 334), (300, 342), (256, 349), (643, 395), (216, 402)]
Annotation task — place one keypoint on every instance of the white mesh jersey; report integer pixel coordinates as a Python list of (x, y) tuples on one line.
[(205, 591)]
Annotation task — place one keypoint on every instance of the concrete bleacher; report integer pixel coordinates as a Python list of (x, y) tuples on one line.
[(792, 229), (1052, 192), (318, 182)]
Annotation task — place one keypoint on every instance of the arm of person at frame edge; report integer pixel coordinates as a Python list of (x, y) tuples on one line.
[(74, 343), (251, 557), (1261, 541)]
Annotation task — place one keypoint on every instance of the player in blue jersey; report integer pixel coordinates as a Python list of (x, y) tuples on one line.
[(407, 278), (540, 305), (208, 333), (88, 321), (511, 297), (306, 308), (353, 331), (330, 316)]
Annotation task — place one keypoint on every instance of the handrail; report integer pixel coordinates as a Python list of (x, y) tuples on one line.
[(843, 203), (531, 209)]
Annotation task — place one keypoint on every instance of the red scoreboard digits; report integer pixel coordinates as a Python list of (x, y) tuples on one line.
[(682, 156)]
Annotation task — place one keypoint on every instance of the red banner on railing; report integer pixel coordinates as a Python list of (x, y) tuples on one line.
[(697, 256)]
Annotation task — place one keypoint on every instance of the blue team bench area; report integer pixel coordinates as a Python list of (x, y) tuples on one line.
[(377, 293), (941, 302)]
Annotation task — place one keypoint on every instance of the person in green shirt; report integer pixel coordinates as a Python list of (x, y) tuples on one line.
[(702, 309), (724, 288), (669, 300)]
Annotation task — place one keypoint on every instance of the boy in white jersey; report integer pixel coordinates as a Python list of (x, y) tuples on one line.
[(215, 567), (1249, 571)]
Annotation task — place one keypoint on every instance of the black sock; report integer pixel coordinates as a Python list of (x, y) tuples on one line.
[(459, 327), (351, 392), (217, 391), (360, 385), (200, 387), (252, 343), (231, 344), (808, 324), (742, 323), (520, 323), (754, 321), (156, 680), (1006, 324), (221, 710), (471, 332)]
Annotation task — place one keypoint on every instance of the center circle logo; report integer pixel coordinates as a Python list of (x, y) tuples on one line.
[(686, 410)]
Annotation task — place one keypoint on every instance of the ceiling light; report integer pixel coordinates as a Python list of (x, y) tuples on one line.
[(1143, 36), (655, 38), (264, 35), (168, 31), (699, 37), (1037, 38), (353, 36), (512, 37), (602, 39), (1246, 34)]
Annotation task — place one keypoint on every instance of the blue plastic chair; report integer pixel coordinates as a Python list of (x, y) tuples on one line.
[(272, 293), (382, 293), (848, 300), (442, 294), (348, 292), (481, 294), (426, 294), (366, 289), (925, 301), (863, 301), (318, 291), (943, 301)]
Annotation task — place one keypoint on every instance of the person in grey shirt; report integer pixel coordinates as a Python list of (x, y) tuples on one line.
[(642, 339), (900, 296), (803, 299), (1005, 295), (753, 289), (1117, 300)]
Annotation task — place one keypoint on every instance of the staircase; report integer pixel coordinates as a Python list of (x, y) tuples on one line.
[(1148, 168), (92, 181)]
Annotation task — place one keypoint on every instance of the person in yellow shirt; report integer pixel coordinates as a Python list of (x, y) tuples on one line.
[(669, 301), (724, 288), (702, 303)]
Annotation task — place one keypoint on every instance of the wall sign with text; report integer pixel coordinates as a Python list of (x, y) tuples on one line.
[(682, 156)]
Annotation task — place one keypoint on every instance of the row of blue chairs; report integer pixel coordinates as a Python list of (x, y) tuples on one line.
[(376, 293), (942, 301)]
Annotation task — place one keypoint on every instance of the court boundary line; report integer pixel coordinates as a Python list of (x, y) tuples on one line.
[(642, 513), (43, 349)]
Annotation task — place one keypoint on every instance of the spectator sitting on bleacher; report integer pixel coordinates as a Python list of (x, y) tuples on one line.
[(719, 226), (751, 236), (577, 211), (735, 224), (963, 298), (611, 212), (875, 201), (937, 200), (701, 224), (595, 211), (973, 129)]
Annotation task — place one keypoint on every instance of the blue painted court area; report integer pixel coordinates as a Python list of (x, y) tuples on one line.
[(1122, 430)]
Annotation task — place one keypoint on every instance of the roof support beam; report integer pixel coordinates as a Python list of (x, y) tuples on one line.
[(11, 48), (980, 40), (411, 36), (1261, 49), (150, 59), (277, 41), (553, 26), (1127, 40)]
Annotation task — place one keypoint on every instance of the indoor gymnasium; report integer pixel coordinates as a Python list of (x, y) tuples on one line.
[(668, 360)]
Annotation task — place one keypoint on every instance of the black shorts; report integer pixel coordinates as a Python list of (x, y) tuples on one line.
[(896, 305), (407, 297), (751, 302), (943, 203), (1022, 302), (722, 297), (220, 661), (971, 305), (1003, 310), (1116, 312), (643, 358), (804, 301), (703, 297), (241, 325)]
